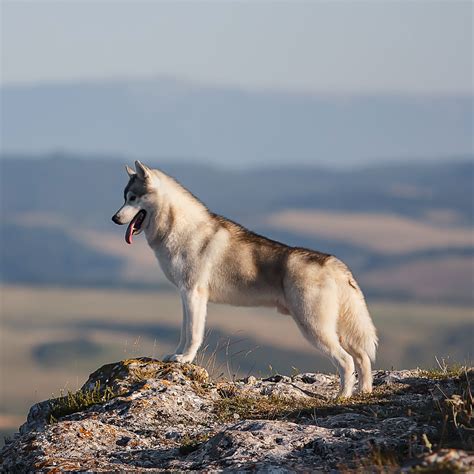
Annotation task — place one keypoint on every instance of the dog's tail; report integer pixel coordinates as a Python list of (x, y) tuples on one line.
[(357, 329)]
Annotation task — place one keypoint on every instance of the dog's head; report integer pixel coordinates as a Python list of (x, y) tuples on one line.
[(139, 197)]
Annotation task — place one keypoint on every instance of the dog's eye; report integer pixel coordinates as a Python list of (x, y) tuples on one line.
[(132, 198)]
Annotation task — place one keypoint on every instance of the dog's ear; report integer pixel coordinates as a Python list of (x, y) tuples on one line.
[(130, 171), (143, 172)]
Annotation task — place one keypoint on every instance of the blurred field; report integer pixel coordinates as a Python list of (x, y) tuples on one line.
[(51, 339), (137, 266), (432, 278), (384, 233)]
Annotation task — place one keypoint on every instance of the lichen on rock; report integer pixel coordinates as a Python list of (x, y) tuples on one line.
[(142, 415)]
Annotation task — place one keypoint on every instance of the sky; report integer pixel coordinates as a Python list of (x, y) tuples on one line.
[(408, 47)]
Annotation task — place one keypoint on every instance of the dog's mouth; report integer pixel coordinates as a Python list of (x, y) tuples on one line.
[(135, 226)]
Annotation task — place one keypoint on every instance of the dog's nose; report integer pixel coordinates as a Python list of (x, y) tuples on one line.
[(116, 219)]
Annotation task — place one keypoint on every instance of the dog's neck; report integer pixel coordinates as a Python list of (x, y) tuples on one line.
[(177, 214)]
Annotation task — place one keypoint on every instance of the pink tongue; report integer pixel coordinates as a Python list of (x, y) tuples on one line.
[(129, 232)]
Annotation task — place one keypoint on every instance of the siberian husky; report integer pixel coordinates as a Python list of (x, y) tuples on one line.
[(212, 259)]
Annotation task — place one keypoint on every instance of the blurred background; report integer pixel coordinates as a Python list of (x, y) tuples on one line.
[(345, 127)]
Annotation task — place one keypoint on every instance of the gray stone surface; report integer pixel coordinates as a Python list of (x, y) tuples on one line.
[(166, 416)]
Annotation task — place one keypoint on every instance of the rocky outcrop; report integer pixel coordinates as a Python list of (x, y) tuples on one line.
[(143, 415)]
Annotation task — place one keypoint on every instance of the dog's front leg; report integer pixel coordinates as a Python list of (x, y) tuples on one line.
[(182, 338), (195, 308)]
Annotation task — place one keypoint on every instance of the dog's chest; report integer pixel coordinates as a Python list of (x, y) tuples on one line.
[(175, 265)]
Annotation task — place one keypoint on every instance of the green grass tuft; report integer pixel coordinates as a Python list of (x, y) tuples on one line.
[(75, 402), (190, 444)]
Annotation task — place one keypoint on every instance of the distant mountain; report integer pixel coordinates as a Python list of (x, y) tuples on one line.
[(166, 118), (89, 190)]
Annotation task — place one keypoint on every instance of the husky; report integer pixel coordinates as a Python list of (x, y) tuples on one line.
[(212, 259)]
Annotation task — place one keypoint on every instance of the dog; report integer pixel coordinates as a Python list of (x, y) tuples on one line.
[(212, 259)]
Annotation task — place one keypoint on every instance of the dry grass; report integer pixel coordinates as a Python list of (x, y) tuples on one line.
[(275, 407), (457, 412), (378, 461), (445, 371)]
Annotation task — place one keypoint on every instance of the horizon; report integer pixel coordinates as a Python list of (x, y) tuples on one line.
[(68, 155), (260, 90), (186, 121)]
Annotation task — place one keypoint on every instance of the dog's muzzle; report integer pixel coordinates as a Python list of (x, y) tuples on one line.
[(116, 219)]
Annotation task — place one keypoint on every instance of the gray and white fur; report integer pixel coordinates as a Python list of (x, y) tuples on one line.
[(212, 259)]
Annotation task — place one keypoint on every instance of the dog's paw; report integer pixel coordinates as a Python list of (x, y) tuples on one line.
[(182, 358), (172, 358), (178, 358)]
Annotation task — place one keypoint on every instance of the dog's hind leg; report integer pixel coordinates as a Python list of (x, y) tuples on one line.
[(363, 367), (316, 313), (329, 345), (358, 336)]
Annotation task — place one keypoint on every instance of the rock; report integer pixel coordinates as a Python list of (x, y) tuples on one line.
[(455, 460), (250, 380), (278, 378), (144, 415)]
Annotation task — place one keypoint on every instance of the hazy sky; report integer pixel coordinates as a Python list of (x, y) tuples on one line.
[(401, 46)]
